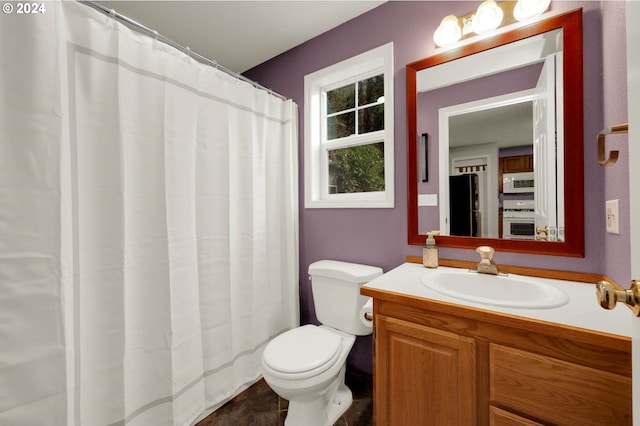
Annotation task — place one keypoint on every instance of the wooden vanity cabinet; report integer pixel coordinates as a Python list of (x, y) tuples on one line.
[(498, 417), (442, 364)]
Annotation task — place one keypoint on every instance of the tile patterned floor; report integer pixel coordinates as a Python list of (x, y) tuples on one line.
[(260, 406)]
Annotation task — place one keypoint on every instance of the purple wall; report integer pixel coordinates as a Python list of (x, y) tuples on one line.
[(616, 178), (379, 236)]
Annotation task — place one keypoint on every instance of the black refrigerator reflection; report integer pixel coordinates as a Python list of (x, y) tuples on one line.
[(464, 205)]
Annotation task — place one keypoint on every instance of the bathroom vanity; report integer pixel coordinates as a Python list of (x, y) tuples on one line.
[(442, 360)]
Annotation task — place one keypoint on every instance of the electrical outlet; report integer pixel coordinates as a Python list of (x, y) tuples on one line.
[(613, 216)]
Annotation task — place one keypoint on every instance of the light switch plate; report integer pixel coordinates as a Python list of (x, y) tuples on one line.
[(427, 200), (613, 216)]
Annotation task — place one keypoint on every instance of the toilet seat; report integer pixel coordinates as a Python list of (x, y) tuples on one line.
[(302, 352)]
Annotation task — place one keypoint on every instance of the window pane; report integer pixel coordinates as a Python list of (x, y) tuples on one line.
[(340, 126), (370, 90), (371, 119), (341, 99), (357, 169)]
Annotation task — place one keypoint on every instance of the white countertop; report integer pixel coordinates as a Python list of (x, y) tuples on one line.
[(581, 311)]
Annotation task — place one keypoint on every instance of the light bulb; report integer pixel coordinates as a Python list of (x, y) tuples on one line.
[(487, 18), (448, 32), (528, 9)]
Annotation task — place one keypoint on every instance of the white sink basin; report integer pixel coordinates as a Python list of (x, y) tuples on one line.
[(520, 292)]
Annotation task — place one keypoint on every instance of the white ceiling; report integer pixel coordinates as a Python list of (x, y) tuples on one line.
[(241, 34), (506, 126)]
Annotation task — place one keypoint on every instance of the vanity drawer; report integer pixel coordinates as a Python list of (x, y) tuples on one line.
[(557, 391), (498, 417)]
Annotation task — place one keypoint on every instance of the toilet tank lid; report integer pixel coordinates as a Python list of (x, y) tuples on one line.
[(351, 272)]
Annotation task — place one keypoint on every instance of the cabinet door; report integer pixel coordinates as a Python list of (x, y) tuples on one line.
[(423, 376), (521, 163)]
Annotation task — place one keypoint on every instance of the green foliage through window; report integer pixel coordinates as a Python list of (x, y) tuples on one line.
[(357, 169), (356, 108)]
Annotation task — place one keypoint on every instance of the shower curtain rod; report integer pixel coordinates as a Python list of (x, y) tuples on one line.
[(185, 49)]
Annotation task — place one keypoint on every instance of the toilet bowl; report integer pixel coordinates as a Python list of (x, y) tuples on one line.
[(311, 378), (307, 365)]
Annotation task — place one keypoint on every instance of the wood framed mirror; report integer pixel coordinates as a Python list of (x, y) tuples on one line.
[(565, 169)]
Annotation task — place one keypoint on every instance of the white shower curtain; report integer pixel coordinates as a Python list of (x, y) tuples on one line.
[(148, 225)]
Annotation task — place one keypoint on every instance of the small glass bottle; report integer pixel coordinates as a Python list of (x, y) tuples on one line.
[(430, 251)]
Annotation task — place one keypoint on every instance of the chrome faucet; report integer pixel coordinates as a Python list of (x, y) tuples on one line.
[(486, 264)]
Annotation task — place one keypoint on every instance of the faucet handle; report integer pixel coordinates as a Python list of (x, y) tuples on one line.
[(485, 252)]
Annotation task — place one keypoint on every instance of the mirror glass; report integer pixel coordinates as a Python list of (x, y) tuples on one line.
[(491, 141)]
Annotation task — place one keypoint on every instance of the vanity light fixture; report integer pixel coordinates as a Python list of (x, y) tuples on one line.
[(529, 9), (489, 16), (448, 32)]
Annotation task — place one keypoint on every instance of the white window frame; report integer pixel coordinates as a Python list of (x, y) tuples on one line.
[(316, 180)]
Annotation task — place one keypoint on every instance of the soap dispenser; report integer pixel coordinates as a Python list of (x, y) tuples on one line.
[(430, 251)]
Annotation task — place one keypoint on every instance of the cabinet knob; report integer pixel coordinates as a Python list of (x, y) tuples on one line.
[(608, 296)]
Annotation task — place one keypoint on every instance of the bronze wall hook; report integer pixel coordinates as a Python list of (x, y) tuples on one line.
[(613, 155)]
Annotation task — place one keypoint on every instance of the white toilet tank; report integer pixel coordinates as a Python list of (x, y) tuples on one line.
[(336, 293)]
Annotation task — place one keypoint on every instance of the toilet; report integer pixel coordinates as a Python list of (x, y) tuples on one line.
[(306, 365)]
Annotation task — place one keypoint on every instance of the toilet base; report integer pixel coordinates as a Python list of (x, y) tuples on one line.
[(324, 410), (341, 402)]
